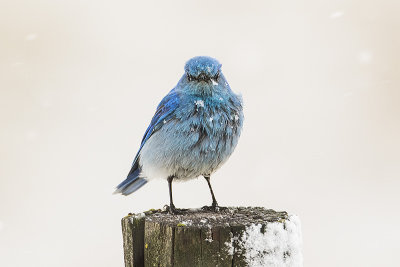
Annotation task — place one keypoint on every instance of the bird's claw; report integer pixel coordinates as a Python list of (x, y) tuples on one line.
[(214, 208), (172, 210)]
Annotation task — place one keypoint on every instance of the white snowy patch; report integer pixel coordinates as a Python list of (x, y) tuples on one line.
[(164, 121), (279, 245), (211, 119), (186, 223), (229, 245), (209, 237), (209, 240), (140, 215), (365, 57), (236, 117), (203, 220), (199, 103), (336, 14), (214, 82), (137, 216), (31, 37)]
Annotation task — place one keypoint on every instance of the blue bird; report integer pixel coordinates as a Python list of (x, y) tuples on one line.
[(195, 129)]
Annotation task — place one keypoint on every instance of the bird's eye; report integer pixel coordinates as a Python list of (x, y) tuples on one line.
[(189, 77)]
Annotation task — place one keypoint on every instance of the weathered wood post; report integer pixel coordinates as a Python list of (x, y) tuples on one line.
[(232, 237)]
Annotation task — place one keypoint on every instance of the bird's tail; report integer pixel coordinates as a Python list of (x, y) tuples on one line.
[(132, 183)]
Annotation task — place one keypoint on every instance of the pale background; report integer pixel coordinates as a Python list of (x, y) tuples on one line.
[(80, 81)]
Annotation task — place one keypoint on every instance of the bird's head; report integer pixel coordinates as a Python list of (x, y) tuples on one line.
[(202, 69)]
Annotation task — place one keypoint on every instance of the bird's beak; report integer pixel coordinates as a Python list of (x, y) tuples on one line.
[(203, 77)]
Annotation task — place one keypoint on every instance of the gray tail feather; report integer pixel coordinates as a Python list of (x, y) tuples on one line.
[(131, 183)]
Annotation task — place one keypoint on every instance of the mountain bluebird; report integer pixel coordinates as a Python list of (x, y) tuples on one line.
[(195, 129)]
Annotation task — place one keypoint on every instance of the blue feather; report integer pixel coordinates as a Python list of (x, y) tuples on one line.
[(163, 114), (131, 181)]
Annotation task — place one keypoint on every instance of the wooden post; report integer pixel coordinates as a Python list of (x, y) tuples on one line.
[(231, 237)]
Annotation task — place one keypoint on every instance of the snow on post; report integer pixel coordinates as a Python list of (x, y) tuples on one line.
[(231, 237)]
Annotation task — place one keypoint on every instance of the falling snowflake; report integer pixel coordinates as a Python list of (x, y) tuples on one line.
[(336, 14), (31, 37), (365, 57), (199, 103)]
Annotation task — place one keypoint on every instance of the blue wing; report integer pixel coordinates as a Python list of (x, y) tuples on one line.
[(165, 112)]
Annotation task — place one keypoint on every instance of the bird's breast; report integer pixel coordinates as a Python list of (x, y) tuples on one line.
[(210, 125), (201, 136)]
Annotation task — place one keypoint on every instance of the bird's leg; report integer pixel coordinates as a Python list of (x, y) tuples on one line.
[(171, 207), (214, 201), (171, 202)]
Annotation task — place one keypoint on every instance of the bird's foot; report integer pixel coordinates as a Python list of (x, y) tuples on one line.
[(214, 208), (172, 210)]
